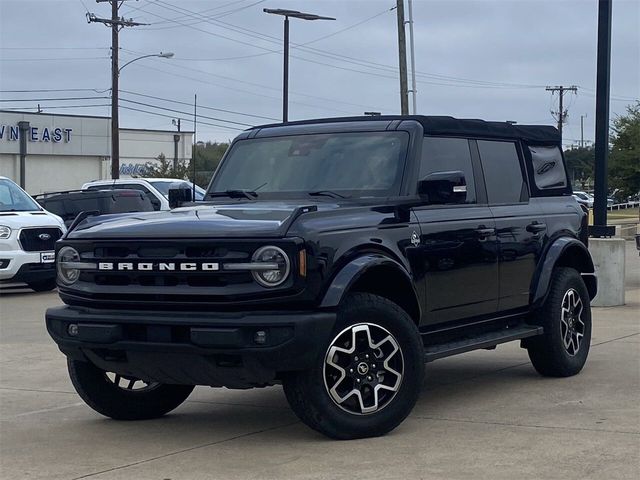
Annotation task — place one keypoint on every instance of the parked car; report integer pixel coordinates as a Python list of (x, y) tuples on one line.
[(28, 234), (157, 189), (69, 204), (334, 256), (583, 198)]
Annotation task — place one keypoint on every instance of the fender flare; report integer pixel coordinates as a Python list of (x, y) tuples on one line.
[(542, 279), (355, 269)]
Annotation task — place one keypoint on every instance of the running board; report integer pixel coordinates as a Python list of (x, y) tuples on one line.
[(484, 340)]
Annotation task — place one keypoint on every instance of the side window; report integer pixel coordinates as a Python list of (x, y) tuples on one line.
[(152, 198), (548, 168), (502, 172), (440, 154)]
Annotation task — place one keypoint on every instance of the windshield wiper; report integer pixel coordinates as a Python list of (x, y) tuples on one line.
[(250, 194), (327, 193)]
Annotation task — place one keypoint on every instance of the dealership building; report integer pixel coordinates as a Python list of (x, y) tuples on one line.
[(61, 152)]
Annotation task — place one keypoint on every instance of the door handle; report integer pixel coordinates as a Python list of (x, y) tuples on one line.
[(485, 232), (536, 227)]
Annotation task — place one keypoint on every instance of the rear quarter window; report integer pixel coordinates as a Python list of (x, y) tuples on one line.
[(548, 167)]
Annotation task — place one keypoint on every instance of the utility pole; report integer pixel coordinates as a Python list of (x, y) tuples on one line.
[(402, 58), (116, 24), (562, 112), (412, 56), (195, 144), (582, 117)]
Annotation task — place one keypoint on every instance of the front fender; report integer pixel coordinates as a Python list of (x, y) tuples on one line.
[(565, 252), (352, 271)]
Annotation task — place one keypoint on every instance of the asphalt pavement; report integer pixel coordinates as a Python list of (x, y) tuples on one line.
[(485, 414)]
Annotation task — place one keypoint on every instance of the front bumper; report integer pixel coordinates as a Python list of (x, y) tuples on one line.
[(25, 267), (194, 348)]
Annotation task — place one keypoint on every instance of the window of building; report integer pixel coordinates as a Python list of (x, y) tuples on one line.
[(502, 172), (441, 154)]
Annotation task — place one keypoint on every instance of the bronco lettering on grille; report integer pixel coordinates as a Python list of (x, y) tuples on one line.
[(150, 266)]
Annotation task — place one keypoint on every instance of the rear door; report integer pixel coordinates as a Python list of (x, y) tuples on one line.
[(520, 223), (458, 245)]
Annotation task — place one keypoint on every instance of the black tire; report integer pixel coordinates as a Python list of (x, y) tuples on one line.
[(308, 391), (43, 286), (549, 353), (111, 400)]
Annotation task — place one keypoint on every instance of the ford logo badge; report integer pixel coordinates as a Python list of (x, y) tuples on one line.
[(44, 237)]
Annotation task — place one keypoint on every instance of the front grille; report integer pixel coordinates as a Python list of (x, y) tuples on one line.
[(152, 287), (39, 239)]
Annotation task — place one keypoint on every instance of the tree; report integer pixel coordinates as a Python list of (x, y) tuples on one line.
[(163, 168), (208, 156), (624, 160), (580, 162)]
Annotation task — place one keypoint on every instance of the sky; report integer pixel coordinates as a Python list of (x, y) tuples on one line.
[(489, 59)]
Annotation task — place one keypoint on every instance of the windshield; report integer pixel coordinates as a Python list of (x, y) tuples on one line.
[(364, 164), (13, 199), (163, 188)]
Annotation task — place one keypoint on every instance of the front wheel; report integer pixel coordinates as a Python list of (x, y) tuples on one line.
[(562, 350), (369, 375), (122, 397)]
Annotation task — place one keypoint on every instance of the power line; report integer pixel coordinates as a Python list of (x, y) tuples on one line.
[(50, 99), (45, 90), (469, 83), (181, 118), (204, 19), (185, 113), (199, 106), (266, 87), (49, 107), (248, 92), (51, 59)]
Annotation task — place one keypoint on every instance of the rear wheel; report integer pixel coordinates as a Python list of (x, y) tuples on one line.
[(122, 397), (368, 377), (566, 317)]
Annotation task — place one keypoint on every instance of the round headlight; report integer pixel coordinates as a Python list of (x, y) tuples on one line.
[(5, 232), (66, 273), (274, 276)]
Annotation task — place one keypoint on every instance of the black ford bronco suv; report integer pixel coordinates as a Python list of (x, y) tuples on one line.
[(335, 257)]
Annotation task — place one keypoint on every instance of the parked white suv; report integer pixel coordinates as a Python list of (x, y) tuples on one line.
[(28, 234), (157, 189)]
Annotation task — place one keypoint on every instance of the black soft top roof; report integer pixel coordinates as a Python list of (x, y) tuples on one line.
[(441, 125)]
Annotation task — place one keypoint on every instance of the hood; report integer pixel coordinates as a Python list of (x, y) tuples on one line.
[(37, 218), (250, 219)]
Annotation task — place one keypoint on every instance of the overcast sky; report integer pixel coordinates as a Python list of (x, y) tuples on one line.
[(488, 59)]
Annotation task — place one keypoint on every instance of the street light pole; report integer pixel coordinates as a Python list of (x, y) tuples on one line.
[(285, 80), (285, 75), (115, 120)]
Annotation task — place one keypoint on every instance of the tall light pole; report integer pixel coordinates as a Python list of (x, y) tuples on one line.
[(115, 118), (285, 81)]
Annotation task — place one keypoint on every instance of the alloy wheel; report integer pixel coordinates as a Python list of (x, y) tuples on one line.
[(572, 326), (363, 369)]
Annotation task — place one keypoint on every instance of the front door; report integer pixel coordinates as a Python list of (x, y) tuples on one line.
[(458, 244)]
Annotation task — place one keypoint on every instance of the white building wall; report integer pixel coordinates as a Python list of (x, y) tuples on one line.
[(65, 151), (139, 147)]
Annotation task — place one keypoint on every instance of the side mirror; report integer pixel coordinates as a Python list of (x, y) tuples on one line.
[(443, 187), (179, 196)]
